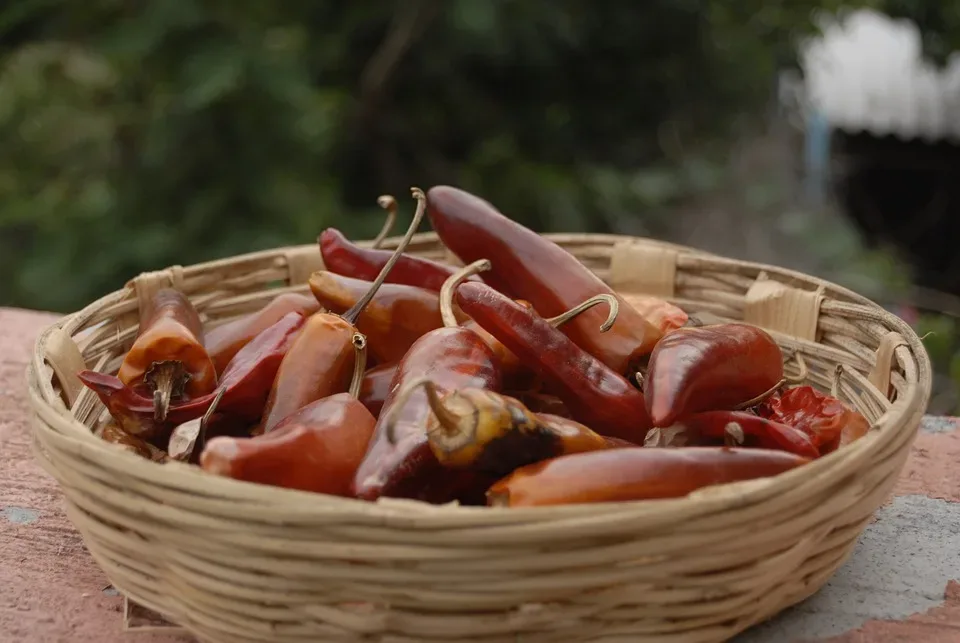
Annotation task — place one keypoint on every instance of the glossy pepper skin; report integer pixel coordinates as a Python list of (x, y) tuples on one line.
[(317, 448), (617, 475), (396, 317), (528, 266), (226, 340), (596, 395), (494, 434), (828, 422), (755, 430), (711, 368), (343, 257), (376, 387), (453, 358), (246, 382), (171, 333)]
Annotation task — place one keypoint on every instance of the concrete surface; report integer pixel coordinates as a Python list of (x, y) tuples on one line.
[(902, 583)]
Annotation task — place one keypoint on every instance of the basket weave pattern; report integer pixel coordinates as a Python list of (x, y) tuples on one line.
[(235, 562)]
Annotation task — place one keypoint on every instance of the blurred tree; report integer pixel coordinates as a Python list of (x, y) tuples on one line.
[(139, 135)]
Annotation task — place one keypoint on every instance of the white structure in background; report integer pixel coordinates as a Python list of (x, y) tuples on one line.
[(866, 73)]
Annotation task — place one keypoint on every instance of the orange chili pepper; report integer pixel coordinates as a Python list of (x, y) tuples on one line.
[(224, 341), (617, 475), (318, 363), (168, 356), (659, 312)]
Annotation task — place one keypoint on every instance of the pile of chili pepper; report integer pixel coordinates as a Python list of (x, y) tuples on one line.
[(520, 379)]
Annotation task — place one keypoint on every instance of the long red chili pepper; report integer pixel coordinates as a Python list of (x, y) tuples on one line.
[(376, 387), (168, 356), (744, 428), (528, 266), (226, 340), (711, 368), (318, 364), (399, 463), (596, 395), (317, 448), (245, 384), (616, 475), (396, 317), (828, 422)]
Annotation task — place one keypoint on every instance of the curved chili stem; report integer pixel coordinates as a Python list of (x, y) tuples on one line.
[(760, 398), (610, 300), (450, 286), (359, 341), (448, 420), (802, 375), (351, 315), (201, 439), (389, 204)]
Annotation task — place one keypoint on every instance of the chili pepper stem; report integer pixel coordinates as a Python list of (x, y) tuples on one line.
[(761, 397), (359, 365), (354, 312), (609, 300), (449, 422), (389, 204), (201, 440), (450, 286), (801, 376), (168, 380)]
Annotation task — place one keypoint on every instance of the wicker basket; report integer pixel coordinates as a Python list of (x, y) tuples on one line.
[(234, 562)]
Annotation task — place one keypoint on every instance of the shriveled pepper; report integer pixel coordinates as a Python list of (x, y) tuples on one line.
[(318, 365), (317, 448), (479, 429), (168, 356), (742, 428), (828, 422), (659, 312), (710, 368), (245, 384), (112, 433), (226, 340), (396, 317), (617, 475), (376, 387), (596, 395), (528, 266), (399, 462)]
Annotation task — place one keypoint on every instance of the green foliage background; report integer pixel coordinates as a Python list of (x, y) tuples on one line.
[(139, 135)]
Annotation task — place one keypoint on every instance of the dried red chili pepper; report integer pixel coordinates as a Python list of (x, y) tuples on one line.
[(317, 448), (168, 357), (395, 318), (711, 368), (748, 429), (376, 387), (226, 340), (826, 420), (616, 475), (542, 403), (318, 364), (659, 312), (596, 395), (531, 267), (245, 384), (113, 434), (400, 463)]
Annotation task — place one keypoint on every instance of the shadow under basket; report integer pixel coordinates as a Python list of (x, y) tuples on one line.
[(234, 562)]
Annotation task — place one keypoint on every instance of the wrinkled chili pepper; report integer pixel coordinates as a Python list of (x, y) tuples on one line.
[(395, 318), (399, 463), (317, 448), (318, 365), (659, 312), (224, 341), (748, 429), (616, 475), (711, 368), (376, 387), (112, 433), (479, 429), (342, 257), (596, 395), (168, 356), (526, 265), (245, 383), (828, 422)]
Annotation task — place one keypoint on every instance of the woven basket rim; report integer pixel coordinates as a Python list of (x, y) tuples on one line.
[(47, 406)]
